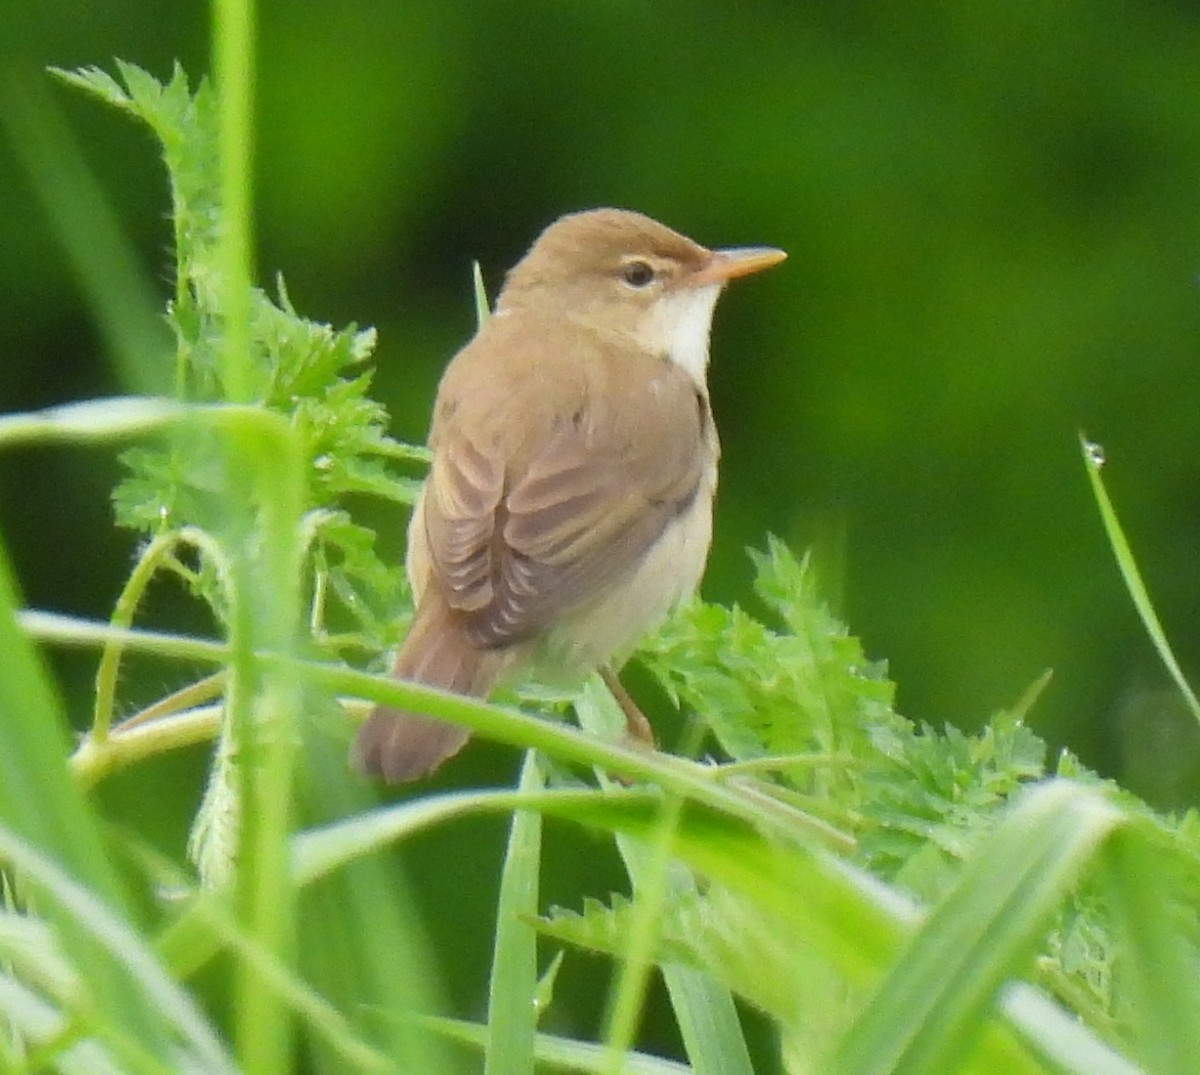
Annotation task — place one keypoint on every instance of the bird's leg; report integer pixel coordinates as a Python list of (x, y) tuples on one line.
[(637, 727)]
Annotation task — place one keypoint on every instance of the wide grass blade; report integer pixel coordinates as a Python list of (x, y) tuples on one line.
[(928, 1011), (845, 919), (32, 1019), (1160, 970), (150, 987), (40, 805), (264, 481), (1057, 1036)]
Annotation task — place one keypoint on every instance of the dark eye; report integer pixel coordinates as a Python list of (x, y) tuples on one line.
[(638, 274)]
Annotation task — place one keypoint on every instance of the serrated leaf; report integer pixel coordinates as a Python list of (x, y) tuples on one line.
[(96, 81), (805, 689), (717, 932), (370, 595)]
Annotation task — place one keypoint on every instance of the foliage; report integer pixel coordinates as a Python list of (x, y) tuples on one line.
[(894, 898), (303, 370)]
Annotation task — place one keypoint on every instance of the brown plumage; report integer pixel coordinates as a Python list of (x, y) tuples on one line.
[(568, 505)]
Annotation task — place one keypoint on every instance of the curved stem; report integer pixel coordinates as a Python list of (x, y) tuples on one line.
[(95, 759), (127, 602), (160, 550)]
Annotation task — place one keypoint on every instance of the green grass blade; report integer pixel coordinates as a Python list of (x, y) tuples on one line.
[(650, 891), (36, 798), (90, 421), (1134, 583), (1057, 1037), (233, 55), (483, 309), (704, 1009), (32, 1019), (696, 782), (264, 476), (691, 780), (512, 1014), (1159, 967), (556, 1053), (319, 851), (708, 1022), (39, 803), (150, 985), (53, 627), (215, 926), (927, 1013), (847, 920), (264, 706), (102, 259)]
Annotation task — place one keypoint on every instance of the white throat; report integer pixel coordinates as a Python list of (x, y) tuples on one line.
[(682, 324)]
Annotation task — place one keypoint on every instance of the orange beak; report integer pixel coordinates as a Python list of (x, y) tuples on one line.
[(726, 265)]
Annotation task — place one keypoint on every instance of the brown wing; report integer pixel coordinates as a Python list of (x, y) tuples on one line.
[(555, 482)]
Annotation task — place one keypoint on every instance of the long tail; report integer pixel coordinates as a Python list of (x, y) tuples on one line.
[(399, 745)]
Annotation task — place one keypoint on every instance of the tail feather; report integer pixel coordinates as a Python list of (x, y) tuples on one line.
[(399, 745)]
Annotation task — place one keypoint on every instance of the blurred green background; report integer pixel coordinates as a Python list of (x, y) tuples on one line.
[(991, 212)]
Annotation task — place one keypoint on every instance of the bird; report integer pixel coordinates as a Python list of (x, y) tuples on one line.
[(568, 505)]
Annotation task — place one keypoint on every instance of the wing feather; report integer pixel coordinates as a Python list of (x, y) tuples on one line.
[(522, 530)]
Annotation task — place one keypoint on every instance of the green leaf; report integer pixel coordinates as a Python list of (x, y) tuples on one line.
[(564, 1054), (926, 1013), (1134, 583), (808, 688), (1160, 953), (93, 421), (363, 595), (483, 309), (148, 985), (44, 818), (512, 1013)]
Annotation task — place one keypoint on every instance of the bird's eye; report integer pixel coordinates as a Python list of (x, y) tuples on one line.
[(638, 274)]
